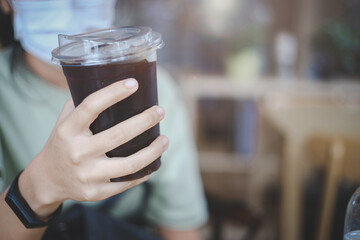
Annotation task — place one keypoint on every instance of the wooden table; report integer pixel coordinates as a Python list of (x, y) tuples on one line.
[(336, 112), (298, 121)]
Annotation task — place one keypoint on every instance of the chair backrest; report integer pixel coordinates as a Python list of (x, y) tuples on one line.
[(319, 147), (340, 155)]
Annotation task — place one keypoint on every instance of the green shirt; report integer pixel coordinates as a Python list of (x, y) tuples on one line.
[(29, 108)]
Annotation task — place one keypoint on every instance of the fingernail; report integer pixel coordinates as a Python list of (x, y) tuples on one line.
[(160, 111), (165, 141), (131, 83)]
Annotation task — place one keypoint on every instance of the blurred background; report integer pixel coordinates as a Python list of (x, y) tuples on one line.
[(273, 90)]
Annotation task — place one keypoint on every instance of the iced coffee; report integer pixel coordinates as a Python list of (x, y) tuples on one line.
[(91, 61)]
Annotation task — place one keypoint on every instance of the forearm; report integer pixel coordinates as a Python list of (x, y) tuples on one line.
[(12, 228), (168, 234)]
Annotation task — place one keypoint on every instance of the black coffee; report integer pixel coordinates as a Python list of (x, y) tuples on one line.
[(84, 80)]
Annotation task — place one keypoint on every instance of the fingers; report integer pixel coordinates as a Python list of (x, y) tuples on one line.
[(101, 190), (109, 189), (118, 167), (94, 181), (87, 111), (126, 130)]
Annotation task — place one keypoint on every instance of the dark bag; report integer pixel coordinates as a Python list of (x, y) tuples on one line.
[(87, 223)]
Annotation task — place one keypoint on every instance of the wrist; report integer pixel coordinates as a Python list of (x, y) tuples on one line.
[(23, 211), (39, 200)]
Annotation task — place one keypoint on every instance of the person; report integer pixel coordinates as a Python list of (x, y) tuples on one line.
[(43, 133)]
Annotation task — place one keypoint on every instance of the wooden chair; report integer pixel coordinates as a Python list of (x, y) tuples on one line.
[(341, 157)]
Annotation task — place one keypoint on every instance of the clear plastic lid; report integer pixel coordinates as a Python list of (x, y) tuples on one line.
[(106, 45)]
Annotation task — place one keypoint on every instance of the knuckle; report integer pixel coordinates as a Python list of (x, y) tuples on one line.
[(131, 166), (155, 150), (119, 135), (114, 92), (87, 105), (150, 119), (82, 178), (76, 155), (90, 193), (134, 166), (62, 132)]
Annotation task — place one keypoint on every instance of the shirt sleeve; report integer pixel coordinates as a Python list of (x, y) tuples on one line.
[(177, 199)]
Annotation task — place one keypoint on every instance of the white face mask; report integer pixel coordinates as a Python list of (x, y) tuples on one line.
[(37, 23)]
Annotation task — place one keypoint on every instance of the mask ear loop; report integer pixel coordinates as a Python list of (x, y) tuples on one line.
[(17, 26), (16, 20)]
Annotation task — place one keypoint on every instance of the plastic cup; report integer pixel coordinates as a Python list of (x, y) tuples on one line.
[(93, 60)]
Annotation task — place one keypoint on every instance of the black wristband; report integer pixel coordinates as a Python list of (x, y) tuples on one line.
[(22, 209)]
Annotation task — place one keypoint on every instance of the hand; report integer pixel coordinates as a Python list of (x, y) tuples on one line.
[(73, 164)]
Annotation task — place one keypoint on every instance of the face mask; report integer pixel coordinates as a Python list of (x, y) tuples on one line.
[(37, 23)]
